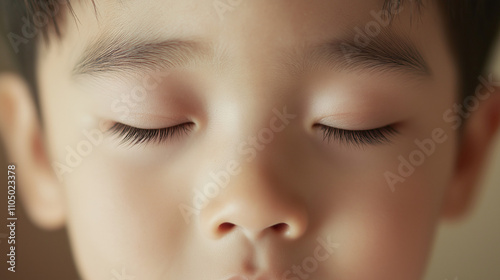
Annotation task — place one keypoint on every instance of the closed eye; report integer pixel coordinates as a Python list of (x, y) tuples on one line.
[(133, 135), (358, 137)]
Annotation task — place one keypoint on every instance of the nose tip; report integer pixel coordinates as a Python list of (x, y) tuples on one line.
[(279, 219)]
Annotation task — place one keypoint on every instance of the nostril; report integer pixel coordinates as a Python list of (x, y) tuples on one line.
[(225, 227), (280, 228)]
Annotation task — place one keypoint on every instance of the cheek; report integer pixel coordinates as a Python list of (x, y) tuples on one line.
[(121, 216), (384, 234), (377, 244)]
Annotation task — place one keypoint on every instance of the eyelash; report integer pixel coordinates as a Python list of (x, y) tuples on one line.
[(358, 137), (133, 136)]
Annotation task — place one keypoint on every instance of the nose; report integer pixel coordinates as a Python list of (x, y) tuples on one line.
[(256, 204)]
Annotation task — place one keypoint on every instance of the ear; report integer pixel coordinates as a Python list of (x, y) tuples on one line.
[(20, 129), (479, 133)]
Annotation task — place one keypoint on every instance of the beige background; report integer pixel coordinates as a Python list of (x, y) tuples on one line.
[(469, 250)]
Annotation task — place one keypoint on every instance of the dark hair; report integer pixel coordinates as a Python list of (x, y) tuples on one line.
[(472, 27)]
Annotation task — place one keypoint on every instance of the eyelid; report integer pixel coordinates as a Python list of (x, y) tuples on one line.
[(374, 136), (134, 136)]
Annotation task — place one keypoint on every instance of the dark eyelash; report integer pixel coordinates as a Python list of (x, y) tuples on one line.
[(358, 137), (134, 136)]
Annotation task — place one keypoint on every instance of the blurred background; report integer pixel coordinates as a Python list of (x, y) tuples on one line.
[(467, 250)]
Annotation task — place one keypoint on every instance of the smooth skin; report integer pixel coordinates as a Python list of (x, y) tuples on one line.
[(295, 207)]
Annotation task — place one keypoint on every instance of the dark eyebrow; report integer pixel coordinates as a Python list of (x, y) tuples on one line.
[(120, 55), (386, 52)]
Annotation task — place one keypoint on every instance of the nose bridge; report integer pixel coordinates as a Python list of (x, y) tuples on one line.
[(253, 131), (267, 132), (262, 151)]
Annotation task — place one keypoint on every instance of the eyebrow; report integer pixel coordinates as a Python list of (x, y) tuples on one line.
[(119, 55), (387, 52)]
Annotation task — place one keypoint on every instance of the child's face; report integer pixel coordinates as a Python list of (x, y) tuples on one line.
[(249, 187)]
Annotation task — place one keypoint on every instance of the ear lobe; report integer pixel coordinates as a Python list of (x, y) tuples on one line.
[(36, 183), (478, 135)]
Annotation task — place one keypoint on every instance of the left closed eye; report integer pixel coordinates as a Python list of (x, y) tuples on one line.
[(375, 136)]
